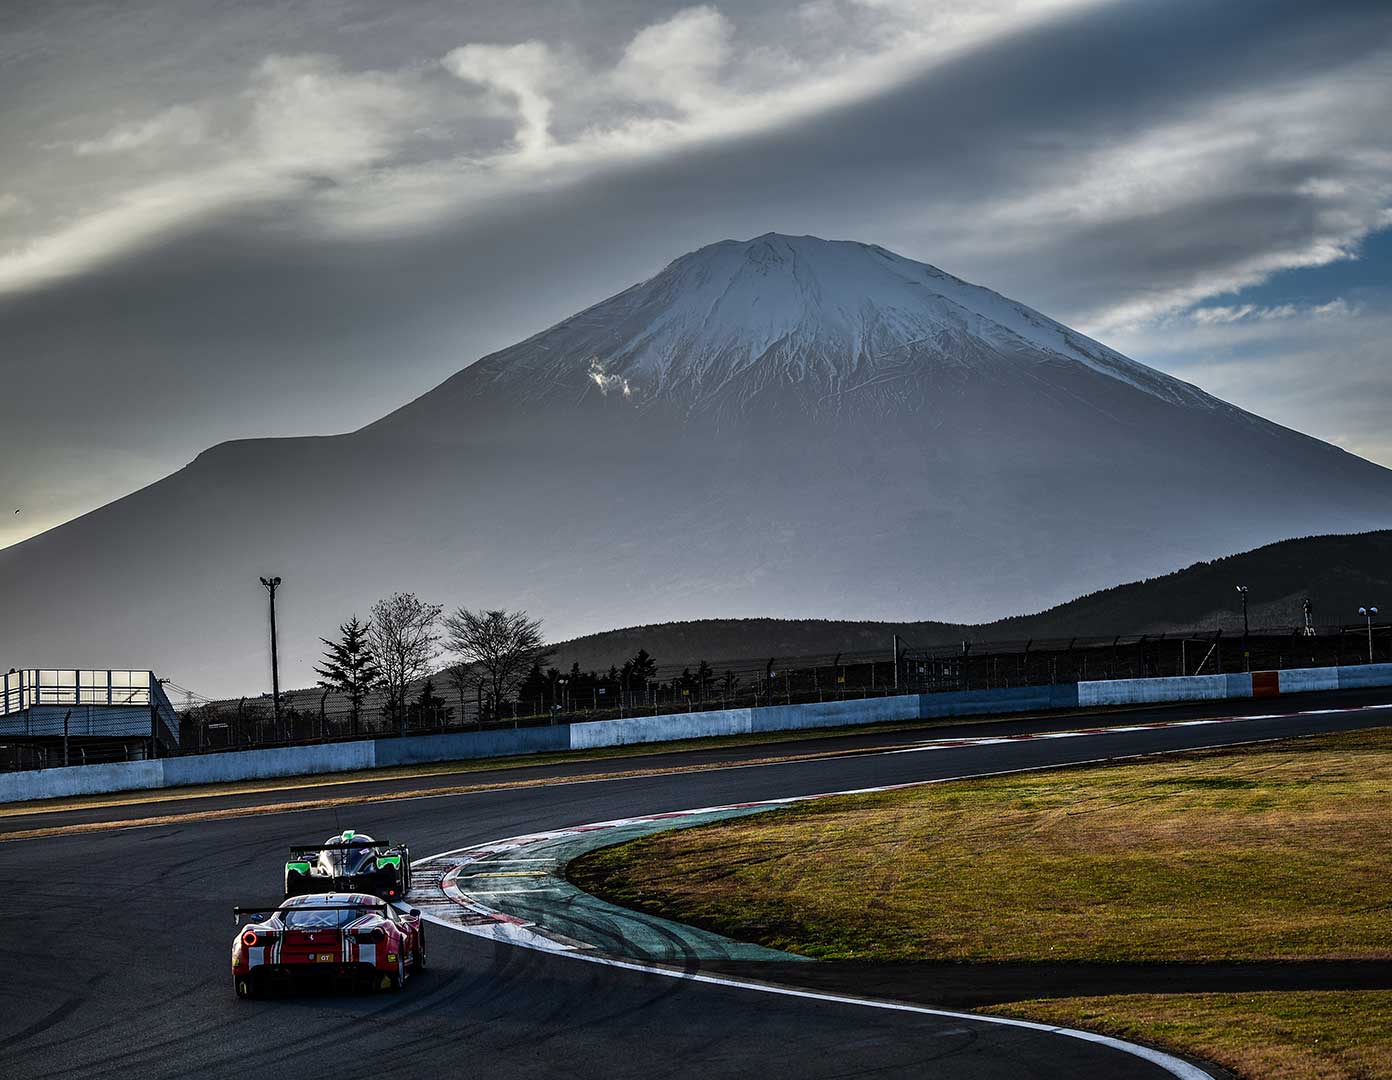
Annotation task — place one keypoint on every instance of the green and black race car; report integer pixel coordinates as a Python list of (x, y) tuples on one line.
[(351, 862)]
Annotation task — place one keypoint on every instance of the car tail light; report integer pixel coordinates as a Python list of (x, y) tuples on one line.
[(250, 938)]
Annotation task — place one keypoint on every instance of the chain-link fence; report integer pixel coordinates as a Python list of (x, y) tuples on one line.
[(317, 715)]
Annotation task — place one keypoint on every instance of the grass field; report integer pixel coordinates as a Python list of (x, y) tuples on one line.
[(1292, 1035), (1277, 851), (1274, 851)]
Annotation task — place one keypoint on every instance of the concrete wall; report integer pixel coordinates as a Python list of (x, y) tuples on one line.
[(1303, 680), (1351, 678), (835, 713), (81, 780), (647, 729), (415, 749), (367, 754), (263, 764), (1179, 688), (1011, 699)]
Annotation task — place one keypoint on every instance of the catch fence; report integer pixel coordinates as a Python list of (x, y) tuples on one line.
[(319, 716)]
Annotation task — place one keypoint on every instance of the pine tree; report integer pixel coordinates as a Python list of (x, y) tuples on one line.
[(348, 666), (429, 708), (644, 667), (704, 674)]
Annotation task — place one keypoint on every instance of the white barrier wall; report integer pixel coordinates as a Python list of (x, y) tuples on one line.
[(264, 764), (1156, 691), (81, 780), (1303, 680), (646, 729)]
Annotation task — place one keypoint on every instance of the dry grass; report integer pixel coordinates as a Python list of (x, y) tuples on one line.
[(1273, 851), (1343, 1035)]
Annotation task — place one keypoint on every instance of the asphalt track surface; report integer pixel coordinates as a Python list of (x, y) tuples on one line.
[(115, 944)]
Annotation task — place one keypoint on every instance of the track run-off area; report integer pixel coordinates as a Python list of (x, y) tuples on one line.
[(116, 940)]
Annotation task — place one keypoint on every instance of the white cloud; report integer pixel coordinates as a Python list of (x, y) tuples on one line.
[(306, 120), (678, 62), (1317, 368), (180, 126), (679, 82), (526, 74), (1315, 143), (308, 116), (1337, 308)]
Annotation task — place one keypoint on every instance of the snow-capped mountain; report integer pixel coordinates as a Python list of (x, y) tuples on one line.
[(834, 326), (779, 426)]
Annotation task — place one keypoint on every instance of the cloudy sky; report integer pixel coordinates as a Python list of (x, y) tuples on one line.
[(227, 220)]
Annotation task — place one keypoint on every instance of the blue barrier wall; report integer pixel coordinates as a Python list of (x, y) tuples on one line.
[(1352, 678), (1177, 688), (81, 780), (835, 713), (592, 734), (415, 749), (1005, 700), (265, 764)]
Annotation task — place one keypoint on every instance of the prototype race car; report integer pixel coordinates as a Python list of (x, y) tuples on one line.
[(348, 938), (350, 862)]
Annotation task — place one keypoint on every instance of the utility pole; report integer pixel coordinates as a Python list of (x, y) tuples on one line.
[(896, 663), (1309, 630), (1368, 613), (1246, 655), (271, 585)]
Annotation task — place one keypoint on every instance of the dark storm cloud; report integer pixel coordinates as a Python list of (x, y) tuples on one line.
[(1106, 166)]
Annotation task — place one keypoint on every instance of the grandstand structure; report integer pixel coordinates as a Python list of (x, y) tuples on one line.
[(72, 716)]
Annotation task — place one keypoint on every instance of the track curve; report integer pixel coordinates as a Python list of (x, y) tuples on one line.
[(116, 946)]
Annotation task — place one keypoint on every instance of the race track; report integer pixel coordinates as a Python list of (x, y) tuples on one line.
[(116, 943)]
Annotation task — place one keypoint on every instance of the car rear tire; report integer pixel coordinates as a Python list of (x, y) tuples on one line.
[(245, 987)]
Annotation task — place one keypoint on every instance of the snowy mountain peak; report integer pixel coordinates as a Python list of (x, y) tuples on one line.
[(797, 322)]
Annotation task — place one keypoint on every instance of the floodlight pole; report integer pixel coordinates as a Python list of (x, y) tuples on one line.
[(1246, 655), (1368, 613), (271, 585)]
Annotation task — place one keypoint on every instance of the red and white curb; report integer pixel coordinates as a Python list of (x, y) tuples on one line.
[(464, 912), (997, 740)]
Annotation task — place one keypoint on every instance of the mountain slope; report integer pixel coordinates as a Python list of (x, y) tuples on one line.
[(778, 426), (1338, 574)]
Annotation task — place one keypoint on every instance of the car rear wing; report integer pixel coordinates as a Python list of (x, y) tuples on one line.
[(311, 849), (238, 912)]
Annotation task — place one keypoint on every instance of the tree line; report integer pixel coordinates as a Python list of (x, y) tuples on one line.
[(493, 656)]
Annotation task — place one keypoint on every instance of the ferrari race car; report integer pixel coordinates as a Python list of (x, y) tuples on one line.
[(351, 862), (347, 938)]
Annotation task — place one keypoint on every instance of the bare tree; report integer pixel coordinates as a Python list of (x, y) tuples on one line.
[(404, 642), (501, 646), (463, 677)]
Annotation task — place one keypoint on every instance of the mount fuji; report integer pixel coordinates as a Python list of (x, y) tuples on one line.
[(781, 426)]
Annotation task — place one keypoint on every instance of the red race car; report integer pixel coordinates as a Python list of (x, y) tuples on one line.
[(349, 938)]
